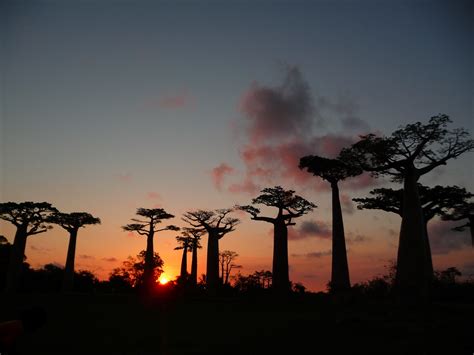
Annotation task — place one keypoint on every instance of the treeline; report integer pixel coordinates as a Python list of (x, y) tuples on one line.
[(405, 156)]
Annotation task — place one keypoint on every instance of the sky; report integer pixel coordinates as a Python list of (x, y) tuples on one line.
[(111, 105)]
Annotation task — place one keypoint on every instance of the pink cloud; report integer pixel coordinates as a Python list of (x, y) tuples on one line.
[(152, 195), (181, 100), (310, 229), (125, 178), (219, 173)]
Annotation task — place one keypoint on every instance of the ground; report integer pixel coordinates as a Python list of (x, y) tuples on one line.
[(125, 324)]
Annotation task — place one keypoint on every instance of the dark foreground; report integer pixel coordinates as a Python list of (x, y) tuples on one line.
[(123, 324)]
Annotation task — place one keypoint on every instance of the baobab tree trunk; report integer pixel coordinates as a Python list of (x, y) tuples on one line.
[(412, 281), (184, 263), (340, 280), (281, 279), (16, 260), (194, 267), (68, 282), (148, 274), (429, 259), (471, 224), (212, 268)]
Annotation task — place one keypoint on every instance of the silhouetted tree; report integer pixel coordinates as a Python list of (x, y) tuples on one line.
[(132, 271), (217, 224), (460, 211), (147, 226), (409, 153), (71, 222), (29, 218), (184, 244), (333, 171), (226, 261), (435, 201), (290, 206), (195, 235)]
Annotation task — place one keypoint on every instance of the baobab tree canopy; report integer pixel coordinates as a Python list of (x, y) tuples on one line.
[(32, 215), (74, 220), (153, 217), (419, 147), (331, 170), (289, 205)]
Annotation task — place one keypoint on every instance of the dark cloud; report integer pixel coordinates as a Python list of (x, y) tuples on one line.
[(314, 254), (111, 260), (444, 240), (358, 238), (84, 256), (310, 229)]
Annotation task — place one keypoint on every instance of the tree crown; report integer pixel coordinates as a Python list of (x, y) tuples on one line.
[(73, 221), (33, 215), (331, 170)]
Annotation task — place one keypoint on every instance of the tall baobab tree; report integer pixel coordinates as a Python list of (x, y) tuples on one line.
[(407, 154), (217, 224), (459, 212), (226, 261), (184, 242), (29, 218), (435, 201), (147, 226), (289, 206), (334, 171), (71, 222)]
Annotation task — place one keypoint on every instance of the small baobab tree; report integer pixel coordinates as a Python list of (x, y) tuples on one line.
[(195, 235), (289, 206), (435, 201), (71, 222), (29, 218), (334, 171), (184, 244), (226, 261), (459, 212), (407, 154), (147, 225), (217, 224)]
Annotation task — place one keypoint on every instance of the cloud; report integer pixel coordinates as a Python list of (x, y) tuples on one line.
[(347, 204), (444, 240), (355, 124), (279, 112), (153, 195), (359, 238), (39, 249), (125, 178), (88, 257), (178, 101), (279, 128), (111, 260), (219, 173), (310, 229), (314, 254)]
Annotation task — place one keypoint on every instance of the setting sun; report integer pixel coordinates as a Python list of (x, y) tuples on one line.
[(163, 280)]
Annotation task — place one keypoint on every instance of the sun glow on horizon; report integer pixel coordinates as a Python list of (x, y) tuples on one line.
[(163, 280)]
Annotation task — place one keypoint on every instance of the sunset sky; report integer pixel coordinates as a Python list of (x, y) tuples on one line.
[(110, 105)]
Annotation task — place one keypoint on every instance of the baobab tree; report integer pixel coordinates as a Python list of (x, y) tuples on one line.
[(184, 242), (71, 222), (217, 224), (289, 206), (334, 171), (435, 201), (409, 153), (148, 226), (195, 234), (226, 261), (459, 212), (29, 218)]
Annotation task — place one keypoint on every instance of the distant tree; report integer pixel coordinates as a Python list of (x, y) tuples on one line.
[(448, 276), (259, 280), (298, 287), (290, 206), (435, 201), (133, 271), (29, 218), (148, 226), (195, 235), (409, 153), (459, 212), (217, 224), (226, 261), (71, 222), (184, 242), (334, 171)]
